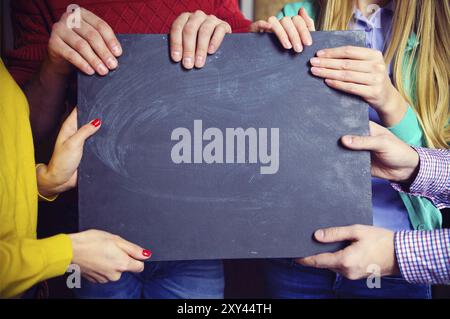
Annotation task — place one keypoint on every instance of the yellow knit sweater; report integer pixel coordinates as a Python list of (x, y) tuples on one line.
[(24, 260)]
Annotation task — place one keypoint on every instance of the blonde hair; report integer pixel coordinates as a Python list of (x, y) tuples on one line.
[(429, 61)]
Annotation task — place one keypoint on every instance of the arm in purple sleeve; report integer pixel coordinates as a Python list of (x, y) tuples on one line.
[(433, 179), (423, 257)]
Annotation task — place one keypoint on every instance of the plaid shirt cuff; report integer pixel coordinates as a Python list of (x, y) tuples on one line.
[(423, 257), (433, 179)]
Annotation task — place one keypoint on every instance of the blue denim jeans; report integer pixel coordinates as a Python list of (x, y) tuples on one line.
[(287, 280), (163, 280)]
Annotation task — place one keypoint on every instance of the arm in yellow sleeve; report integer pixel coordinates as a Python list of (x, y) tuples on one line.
[(25, 262)]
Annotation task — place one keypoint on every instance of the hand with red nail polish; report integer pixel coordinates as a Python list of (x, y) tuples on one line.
[(103, 257), (61, 173), (146, 253)]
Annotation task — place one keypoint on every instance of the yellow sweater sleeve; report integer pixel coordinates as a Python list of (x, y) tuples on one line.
[(26, 262)]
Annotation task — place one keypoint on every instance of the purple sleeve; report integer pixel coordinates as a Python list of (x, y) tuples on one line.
[(433, 179), (423, 257)]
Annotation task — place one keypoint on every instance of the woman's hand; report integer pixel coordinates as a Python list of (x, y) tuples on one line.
[(293, 33), (195, 35), (61, 173), (103, 257), (91, 48), (362, 72)]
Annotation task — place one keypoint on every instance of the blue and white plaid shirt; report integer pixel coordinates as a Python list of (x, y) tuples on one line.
[(424, 256)]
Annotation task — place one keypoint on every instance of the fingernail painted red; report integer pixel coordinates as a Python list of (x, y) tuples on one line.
[(146, 253), (96, 122)]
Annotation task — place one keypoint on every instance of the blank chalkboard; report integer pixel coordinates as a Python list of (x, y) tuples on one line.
[(223, 194)]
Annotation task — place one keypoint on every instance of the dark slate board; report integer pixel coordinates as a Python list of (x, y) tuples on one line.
[(128, 184)]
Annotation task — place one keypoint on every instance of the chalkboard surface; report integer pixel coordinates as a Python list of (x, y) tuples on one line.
[(239, 159)]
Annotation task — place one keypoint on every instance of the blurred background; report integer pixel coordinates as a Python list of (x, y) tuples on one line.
[(243, 278), (261, 9)]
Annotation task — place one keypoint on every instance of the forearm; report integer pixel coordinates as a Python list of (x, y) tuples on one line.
[(49, 184), (46, 94), (424, 256), (409, 129)]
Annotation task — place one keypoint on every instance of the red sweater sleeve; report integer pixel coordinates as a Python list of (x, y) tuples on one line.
[(228, 10), (33, 20), (32, 27)]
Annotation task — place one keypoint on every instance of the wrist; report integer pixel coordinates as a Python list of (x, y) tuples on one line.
[(394, 109), (411, 169), (74, 238), (46, 182), (394, 269)]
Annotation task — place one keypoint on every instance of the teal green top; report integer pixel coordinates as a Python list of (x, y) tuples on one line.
[(422, 213)]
